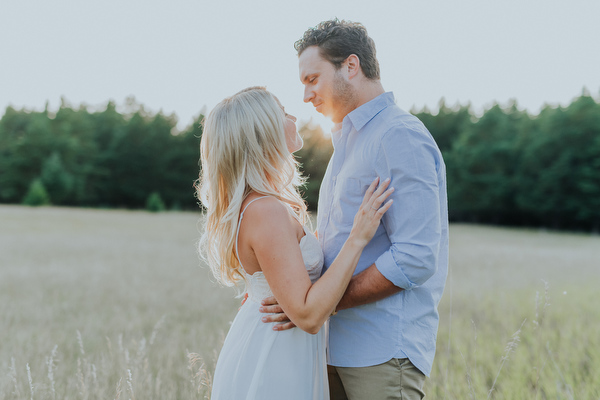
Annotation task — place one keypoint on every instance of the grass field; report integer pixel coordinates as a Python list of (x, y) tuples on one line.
[(98, 304)]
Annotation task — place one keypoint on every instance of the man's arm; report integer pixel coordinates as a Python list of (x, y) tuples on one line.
[(364, 288), (367, 287)]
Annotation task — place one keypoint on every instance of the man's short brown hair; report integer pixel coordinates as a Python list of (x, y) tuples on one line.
[(339, 39)]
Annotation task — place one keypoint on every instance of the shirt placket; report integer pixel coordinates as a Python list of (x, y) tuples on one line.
[(337, 160)]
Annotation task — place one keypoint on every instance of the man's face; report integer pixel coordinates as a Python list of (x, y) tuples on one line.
[(325, 87)]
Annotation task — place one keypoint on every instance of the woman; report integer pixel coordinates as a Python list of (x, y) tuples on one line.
[(255, 232)]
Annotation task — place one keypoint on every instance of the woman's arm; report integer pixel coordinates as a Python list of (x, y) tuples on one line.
[(274, 241)]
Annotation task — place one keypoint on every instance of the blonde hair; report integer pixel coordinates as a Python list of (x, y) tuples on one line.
[(243, 150)]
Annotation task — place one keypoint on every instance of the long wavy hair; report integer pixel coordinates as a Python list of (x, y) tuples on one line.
[(243, 150)]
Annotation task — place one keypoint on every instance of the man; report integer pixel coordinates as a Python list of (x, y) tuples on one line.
[(382, 338)]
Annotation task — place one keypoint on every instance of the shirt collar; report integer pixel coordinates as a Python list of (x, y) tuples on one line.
[(363, 114)]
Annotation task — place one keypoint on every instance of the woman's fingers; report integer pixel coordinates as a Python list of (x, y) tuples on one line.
[(375, 189), (374, 198), (381, 188), (370, 191), (383, 209), (378, 201)]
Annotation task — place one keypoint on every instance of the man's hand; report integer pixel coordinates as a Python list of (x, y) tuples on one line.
[(276, 314)]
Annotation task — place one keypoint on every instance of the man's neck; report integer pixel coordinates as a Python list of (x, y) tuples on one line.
[(366, 91)]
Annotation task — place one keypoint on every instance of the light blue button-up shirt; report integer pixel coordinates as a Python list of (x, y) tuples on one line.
[(410, 247)]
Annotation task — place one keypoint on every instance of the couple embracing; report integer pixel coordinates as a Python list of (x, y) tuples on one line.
[(350, 311)]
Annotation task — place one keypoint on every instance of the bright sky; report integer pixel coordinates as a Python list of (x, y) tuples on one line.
[(181, 56)]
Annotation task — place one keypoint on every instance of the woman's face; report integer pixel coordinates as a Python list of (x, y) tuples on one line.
[(292, 137)]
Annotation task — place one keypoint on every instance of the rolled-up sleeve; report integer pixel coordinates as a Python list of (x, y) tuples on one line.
[(409, 156)]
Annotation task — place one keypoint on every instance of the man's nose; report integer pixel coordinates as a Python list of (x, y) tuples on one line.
[(308, 95)]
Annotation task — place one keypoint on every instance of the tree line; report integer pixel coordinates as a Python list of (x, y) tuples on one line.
[(509, 167), (505, 167), (98, 159)]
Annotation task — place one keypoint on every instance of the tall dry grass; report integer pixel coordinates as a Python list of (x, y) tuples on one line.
[(519, 317), (98, 304), (119, 294)]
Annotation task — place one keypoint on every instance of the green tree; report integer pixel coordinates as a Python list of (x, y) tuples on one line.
[(73, 135), (560, 169), (313, 157), (483, 166), (134, 172), (56, 179), (25, 141), (36, 195), (154, 203), (108, 127), (447, 125), (182, 165)]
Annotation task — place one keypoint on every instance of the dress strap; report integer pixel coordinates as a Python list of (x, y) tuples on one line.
[(237, 234)]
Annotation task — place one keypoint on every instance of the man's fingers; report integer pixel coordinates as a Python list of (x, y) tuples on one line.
[(275, 314), (284, 327), (275, 318), (269, 301), (276, 309), (244, 300)]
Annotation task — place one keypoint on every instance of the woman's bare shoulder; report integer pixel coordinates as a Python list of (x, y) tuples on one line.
[(268, 219), (265, 209)]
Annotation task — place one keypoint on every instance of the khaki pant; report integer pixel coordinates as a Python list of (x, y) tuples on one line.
[(395, 379)]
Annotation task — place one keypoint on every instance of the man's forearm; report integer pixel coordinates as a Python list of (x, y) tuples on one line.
[(366, 287)]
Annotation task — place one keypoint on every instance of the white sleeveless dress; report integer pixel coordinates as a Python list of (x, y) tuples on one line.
[(258, 363)]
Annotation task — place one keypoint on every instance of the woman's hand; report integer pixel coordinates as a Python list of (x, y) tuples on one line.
[(370, 212)]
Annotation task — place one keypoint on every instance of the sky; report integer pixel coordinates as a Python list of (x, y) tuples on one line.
[(184, 56)]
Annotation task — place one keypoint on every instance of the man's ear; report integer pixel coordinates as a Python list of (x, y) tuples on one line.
[(353, 65)]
